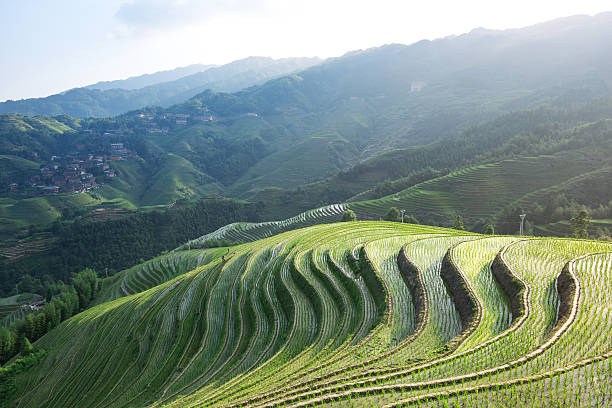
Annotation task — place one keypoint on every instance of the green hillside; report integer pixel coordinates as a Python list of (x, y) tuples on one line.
[(530, 132), (574, 174), (172, 179), (156, 271), (480, 192), (30, 137), (346, 314), (108, 237), (315, 158), (14, 169), (41, 210)]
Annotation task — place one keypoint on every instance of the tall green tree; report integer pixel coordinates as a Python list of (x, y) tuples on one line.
[(393, 215), (7, 345), (25, 347), (580, 224), (458, 225), (411, 220), (87, 286), (349, 215)]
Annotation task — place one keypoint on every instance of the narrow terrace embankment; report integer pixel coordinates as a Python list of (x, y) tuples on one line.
[(510, 284), (413, 279), (462, 295)]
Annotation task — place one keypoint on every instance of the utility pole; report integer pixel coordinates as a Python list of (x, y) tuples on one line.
[(402, 212), (522, 222)]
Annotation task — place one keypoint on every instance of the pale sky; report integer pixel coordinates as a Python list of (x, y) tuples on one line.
[(48, 46)]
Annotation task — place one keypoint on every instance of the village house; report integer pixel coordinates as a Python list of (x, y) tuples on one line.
[(51, 190), (36, 303), (46, 172), (88, 178), (58, 180), (72, 187), (204, 118)]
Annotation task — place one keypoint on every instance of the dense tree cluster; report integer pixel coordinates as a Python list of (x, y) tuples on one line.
[(458, 225), (393, 215), (580, 224), (349, 215), (71, 300), (550, 209), (8, 387), (410, 219), (120, 243)]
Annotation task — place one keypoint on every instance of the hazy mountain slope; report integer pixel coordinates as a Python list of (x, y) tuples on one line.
[(141, 81), (398, 96), (319, 156), (236, 76), (85, 102), (531, 132)]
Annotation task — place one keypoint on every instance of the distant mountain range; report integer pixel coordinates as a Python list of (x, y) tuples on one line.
[(141, 81), (329, 117), (163, 89), (379, 120)]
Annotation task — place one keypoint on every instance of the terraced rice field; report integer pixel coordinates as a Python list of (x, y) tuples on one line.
[(241, 232), (346, 314), (479, 191)]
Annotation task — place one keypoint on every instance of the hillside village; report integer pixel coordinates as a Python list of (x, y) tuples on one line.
[(80, 168), (164, 121), (160, 123), (74, 172)]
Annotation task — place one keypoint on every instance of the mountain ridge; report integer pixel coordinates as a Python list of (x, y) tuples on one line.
[(143, 80), (93, 102)]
